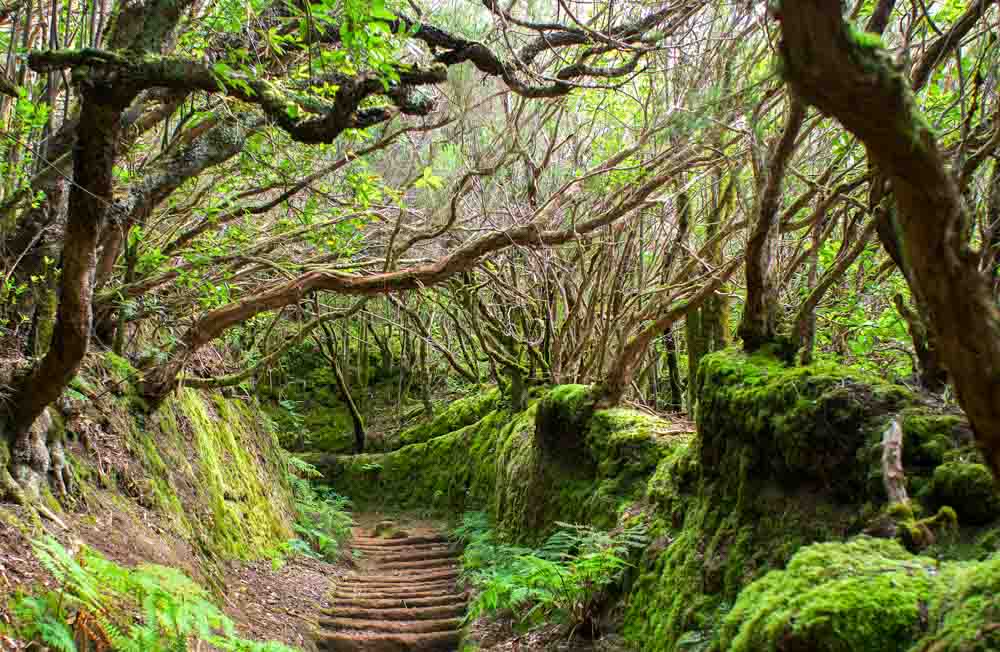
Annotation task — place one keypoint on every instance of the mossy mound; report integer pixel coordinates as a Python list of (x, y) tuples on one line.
[(498, 464), (460, 413), (967, 487), (563, 417), (783, 459), (796, 426), (867, 594)]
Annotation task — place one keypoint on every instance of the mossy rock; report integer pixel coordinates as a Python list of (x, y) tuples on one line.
[(867, 594), (791, 425), (562, 421), (969, 488), (463, 412), (929, 436)]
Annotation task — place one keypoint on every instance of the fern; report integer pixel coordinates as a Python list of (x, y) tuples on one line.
[(323, 519), (102, 605), (565, 580)]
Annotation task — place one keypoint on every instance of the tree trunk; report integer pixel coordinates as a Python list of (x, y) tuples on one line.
[(759, 326), (676, 401), (623, 368), (858, 85), (356, 420), (90, 194), (933, 376)]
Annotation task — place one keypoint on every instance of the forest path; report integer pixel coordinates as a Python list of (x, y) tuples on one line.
[(403, 597)]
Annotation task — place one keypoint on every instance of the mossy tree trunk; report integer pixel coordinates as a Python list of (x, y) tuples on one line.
[(328, 345), (707, 328), (93, 162), (860, 86), (675, 402), (759, 326)]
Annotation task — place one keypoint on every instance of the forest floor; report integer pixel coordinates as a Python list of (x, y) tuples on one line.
[(280, 601)]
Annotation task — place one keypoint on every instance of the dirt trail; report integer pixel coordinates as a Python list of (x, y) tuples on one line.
[(402, 598)]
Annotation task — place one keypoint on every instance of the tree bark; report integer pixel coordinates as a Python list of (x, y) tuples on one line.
[(93, 162), (759, 326), (860, 86), (893, 477)]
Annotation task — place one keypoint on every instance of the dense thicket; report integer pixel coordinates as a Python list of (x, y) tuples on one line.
[(524, 193)]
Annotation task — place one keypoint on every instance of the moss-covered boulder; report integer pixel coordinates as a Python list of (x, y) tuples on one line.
[(563, 418), (863, 595), (929, 436), (967, 487), (463, 412), (867, 594), (796, 426)]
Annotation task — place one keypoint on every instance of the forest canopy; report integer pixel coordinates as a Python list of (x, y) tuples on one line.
[(524, 193)]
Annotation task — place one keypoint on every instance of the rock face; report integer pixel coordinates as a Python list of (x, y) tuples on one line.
[(404, 596)]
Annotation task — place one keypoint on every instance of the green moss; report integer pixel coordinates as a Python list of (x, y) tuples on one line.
[(862, 595), (120, 367), (792, 425), (964, 610), (780, 461), (216, 473), (460, 413), (866, 40), (967, 487), (928, 437), (867, 594), (562, 420)]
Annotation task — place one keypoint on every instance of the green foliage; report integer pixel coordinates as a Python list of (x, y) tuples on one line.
[(101, 604), (565, 580), (323, 521)]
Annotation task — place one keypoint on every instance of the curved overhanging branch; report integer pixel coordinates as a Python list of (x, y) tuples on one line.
[(160, 381), (861, 87), (306, 119)]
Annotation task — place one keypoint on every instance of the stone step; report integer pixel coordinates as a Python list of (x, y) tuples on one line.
[(353, 641), (405, 577), (410, 555), (402, 602), (420, 564), (396, 549), (404, 597), (402, 613), (405, 542), (394, 626), (395, 594)]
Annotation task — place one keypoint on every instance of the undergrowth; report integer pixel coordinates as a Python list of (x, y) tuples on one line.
[(323, 520), (566, 580), (101, 605)]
